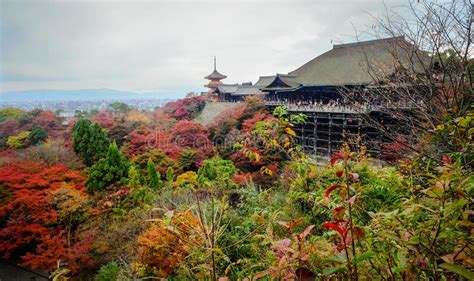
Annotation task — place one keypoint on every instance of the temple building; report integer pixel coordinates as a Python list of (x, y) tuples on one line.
[(214, 79), (353, 65), (316, 89)]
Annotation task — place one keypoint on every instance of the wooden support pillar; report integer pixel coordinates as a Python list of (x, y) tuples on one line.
[(344, 127), (359, 135), (329, 135), (303, 139), (315, 135)]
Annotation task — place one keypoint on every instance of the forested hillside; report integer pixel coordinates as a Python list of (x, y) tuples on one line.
[(123, 194), (127, 195)]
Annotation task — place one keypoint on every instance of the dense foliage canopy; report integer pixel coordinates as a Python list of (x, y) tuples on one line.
[(123, 194)]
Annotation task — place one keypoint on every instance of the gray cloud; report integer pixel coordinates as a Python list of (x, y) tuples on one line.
[(167, 45)]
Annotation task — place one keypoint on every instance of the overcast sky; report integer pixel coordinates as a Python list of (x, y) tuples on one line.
[(168, 46)]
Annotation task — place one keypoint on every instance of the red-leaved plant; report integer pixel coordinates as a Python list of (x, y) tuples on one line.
[(342, 224)]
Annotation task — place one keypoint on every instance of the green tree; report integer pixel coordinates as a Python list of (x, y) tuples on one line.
[(216, 171), (37, 135), (108, 171), (11, 113), (169, 174), (154, 178), (120, 107), (134, 177), (90, 142), (139, 192)]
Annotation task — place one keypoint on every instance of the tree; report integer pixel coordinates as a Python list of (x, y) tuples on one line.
[(90, 142), (11, 113), (37, 135), (154, 178), (185, 109), (143, 138), (8, 128), (120, 107), (139, 191), (48, 121), (159, 158), (107, 171), (169, 174), (216, 171), (18, 141), (104, 119), (38, 215), (52, 152), (194, 136)]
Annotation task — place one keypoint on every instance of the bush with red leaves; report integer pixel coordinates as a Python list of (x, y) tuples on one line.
[(185, 109), (30, 222)]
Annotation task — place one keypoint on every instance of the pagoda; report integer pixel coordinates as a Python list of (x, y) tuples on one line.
[(215, 79)]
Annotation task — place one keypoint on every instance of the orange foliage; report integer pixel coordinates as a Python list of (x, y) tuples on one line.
[(161, 249), (242, 179)]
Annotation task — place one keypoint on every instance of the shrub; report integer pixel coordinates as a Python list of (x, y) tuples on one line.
[(108, 272), (187, 180), (53, 152), (216, 172), (18, 141)]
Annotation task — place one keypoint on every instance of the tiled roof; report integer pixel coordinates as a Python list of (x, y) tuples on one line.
[(361, 62)]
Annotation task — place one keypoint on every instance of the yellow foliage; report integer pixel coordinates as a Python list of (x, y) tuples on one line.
[(137, 116), (186, 180), (290, 132), (69, 200), (162, 247), (18, 141)]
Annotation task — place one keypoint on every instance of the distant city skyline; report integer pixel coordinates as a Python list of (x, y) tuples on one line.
[(168, 46)]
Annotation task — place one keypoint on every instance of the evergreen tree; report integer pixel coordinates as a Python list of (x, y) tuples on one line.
[(37, 135), (134, 178), (139, 192), (108, 171), (90, 142), (169, 174), (154, 178)]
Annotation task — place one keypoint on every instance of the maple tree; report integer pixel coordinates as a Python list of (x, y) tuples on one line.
[(144, 138), (185, 109), (187, 134), (105, 119), (49, 122), (32, 226)]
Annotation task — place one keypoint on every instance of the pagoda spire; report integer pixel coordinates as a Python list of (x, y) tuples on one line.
[(215, 78)]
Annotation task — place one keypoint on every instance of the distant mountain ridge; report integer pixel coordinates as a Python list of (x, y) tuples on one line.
[(81, 95)]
